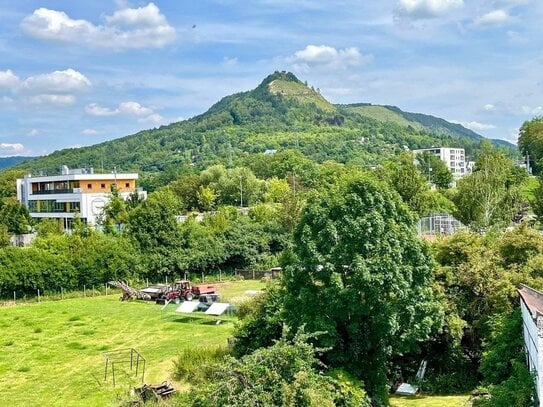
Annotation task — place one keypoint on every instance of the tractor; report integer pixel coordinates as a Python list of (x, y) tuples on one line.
[(182, 289)]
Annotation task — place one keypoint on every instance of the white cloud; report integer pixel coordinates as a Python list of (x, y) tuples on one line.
[(89, 132), (129, 108), (9, 149), (95, 110), (128, 28), (51, 100), (134, 109), (153, 118), (326, 56), (474, 125), (489, 107), (428, 8), (8, 79), (33, 133), (496, 17), (57, 82)]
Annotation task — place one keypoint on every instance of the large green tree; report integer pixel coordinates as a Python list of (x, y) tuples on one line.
[(366, 279), (436, 170), (490, 195), (530, 141)]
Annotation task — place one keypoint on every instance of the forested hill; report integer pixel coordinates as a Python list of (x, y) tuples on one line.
[(281, 113)]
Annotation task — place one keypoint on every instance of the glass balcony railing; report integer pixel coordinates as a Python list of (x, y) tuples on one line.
[(57, 191)]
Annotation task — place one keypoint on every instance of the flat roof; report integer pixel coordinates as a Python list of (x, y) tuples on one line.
[(82, 177), (533, 300)]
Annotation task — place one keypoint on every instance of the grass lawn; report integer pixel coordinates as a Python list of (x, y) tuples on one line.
[(429, 401), (51, 353)]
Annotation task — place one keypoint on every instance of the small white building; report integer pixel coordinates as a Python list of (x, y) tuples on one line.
[(531, 304), (454, 158), (74, 191)]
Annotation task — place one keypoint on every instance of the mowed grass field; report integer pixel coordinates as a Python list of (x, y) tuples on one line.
[(429, 401), (51, 353)]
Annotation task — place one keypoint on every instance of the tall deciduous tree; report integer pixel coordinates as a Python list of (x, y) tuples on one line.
[(366, 279), (490, 195), (530, 141), (404, 176), (437, 172)]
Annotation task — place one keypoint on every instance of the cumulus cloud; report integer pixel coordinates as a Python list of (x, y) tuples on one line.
[(418, 9), (489, 107), (8, 80), (496, 17), (33, 133), (329, 57), (57, 82), (9, 149), (128, 28), (129, 108), (54, 88), (134, 109)]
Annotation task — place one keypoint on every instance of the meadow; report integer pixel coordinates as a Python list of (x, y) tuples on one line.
[(52, 353)]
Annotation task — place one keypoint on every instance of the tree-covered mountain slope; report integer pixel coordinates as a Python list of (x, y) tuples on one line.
[(281, 113)]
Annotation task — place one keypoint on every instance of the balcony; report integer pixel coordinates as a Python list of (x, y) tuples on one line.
[(57, 191)]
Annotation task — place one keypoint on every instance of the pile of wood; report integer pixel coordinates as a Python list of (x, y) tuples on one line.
[(155, 392)]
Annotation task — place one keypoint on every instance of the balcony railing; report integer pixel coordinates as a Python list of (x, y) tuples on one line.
[(56, 191)]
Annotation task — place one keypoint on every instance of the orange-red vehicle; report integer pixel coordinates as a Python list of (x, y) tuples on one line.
[(183, 289)]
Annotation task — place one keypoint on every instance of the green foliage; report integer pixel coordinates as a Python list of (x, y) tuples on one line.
[(261, 322), (405, 177), (436, 170), (349, 241), (15, 216), (530, 141), (190, 363), (283, 374), (517, 391), (491, 194), (281, 114), (503, 346)]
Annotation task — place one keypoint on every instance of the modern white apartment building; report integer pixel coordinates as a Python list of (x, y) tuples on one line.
[(454, 158), (531, 304), (73, 191)]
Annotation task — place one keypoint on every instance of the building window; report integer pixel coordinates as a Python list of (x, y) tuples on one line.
[(89, 186), (127, 185), (103, 186)]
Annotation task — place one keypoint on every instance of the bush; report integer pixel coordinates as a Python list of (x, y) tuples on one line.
[(190, 364)]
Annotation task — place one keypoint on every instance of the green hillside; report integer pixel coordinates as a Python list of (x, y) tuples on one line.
[(281, 113)]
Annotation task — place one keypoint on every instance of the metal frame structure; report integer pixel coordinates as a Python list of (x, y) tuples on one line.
[(124, 356)]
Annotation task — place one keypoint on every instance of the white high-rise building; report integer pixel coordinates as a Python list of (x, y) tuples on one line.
[(454, 158)]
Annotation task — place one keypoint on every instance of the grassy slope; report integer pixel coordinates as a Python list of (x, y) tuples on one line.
[(383, 114), (52, 352), (300, 92)]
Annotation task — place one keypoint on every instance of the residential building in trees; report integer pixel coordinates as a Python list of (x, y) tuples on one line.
[(531, 304), (73, 191), (454, 158)]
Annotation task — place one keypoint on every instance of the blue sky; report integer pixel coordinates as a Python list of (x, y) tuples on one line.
[(76, 73)]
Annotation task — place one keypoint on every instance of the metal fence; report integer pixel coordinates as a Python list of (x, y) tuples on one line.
[(439, 224)]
